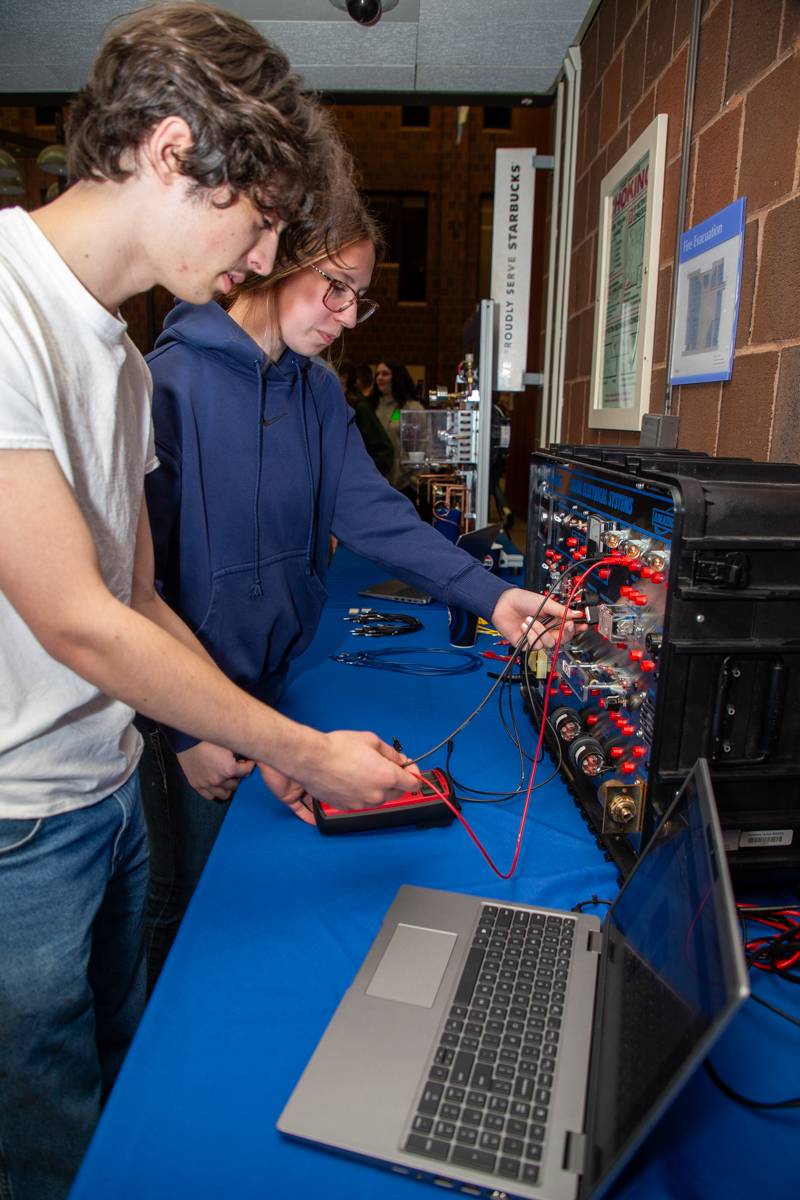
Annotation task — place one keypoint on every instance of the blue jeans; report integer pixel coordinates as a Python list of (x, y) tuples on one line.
[(182, 827), (72, 982)]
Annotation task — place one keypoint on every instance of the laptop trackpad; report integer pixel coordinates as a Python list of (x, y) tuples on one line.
[(412, 965)]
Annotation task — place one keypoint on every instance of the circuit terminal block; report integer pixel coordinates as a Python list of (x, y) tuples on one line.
[(620, 622)]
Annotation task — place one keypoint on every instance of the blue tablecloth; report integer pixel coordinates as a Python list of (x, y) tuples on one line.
[(283, 917)]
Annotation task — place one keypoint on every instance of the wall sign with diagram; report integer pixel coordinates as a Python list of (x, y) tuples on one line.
[(707, 300), (627, 279)]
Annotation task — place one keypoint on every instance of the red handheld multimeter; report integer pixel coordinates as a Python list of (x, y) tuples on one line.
[(422, 808)]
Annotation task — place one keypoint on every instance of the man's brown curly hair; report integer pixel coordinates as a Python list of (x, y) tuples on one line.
[(254, 131)]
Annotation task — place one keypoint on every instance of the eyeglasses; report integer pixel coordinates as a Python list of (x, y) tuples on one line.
[(335, 301)]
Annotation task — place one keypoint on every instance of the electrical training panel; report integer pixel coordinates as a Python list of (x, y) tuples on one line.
[(443, 442), (696, 647)]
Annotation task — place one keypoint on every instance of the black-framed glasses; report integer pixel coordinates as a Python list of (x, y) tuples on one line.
[(340, 296)]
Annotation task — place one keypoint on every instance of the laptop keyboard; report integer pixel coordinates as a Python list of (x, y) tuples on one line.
[(486, 1098)]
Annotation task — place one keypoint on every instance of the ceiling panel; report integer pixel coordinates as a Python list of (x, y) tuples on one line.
[(311, 42), (320, 10), (480, 41), (342, 80), (483, 81), (503, 47)]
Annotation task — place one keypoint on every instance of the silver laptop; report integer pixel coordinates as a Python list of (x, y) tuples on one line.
[(521, 1051), (397, 591)]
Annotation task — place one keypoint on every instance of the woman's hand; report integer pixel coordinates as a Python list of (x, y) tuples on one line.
[(515, 609), (213, 771)]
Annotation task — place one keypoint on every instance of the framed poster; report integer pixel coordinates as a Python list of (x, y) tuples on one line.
[(707, 300), (627, 279)]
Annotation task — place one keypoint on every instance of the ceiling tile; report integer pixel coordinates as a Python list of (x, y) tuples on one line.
[(459, 46), (318, 42), (485, 80), (357, 79)]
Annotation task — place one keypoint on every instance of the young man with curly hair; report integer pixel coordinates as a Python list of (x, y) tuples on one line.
[(190, 148)]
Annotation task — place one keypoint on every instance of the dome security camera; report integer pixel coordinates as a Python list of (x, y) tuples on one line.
[(365, 12)]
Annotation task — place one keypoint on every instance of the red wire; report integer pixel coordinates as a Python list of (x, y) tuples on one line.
[(785, 921), (518, 845)]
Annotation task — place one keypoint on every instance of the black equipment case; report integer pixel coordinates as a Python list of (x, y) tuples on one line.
[(696, 647)]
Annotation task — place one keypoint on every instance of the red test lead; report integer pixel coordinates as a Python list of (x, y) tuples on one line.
[(548, 691)]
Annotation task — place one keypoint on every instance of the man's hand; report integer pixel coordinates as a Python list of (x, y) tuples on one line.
[(514, 609), (289, 792), (353, 770), (212, 771)]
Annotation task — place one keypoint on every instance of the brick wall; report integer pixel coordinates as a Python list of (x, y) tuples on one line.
[(391, 158), (744, 143)]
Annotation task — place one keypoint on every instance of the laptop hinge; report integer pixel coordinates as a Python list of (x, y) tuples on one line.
[(574, 1150), (594, 941)]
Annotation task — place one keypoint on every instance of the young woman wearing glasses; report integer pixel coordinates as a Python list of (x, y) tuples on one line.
[(261, 461)]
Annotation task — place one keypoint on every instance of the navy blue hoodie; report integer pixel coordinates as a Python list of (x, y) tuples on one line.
[(260, 462)]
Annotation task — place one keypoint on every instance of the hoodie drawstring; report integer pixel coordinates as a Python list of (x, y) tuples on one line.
[(312, 525), (256, 590)]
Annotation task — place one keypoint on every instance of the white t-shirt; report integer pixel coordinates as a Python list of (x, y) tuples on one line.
[(71, 381)]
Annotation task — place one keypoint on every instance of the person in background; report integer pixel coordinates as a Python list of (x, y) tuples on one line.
[(241, 537), (364, 379), (189, 148), (376, 439), (393, 391), (346, 370)]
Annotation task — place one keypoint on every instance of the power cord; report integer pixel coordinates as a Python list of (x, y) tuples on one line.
[(382, 660), (776, 953), (369, 623), (594, 902), (573, 591), (480, 796), (515, 650), (745, 1101)]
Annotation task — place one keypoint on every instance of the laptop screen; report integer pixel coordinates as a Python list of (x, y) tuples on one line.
[(479, 542), (672, 970)]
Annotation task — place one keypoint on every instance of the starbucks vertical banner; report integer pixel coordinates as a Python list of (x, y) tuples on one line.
[(512, 236)]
